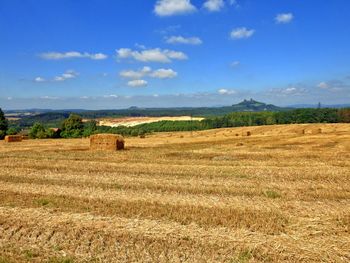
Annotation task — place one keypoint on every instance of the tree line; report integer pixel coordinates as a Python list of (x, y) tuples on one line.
[(74, 127)]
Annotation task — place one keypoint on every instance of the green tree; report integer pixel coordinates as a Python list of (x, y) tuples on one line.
[(12, 131), (89, 128), (72, 127), (37, 131), (3, 125), (344, 115)]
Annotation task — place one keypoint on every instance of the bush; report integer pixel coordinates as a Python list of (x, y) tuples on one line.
[(37, 131), (12, 131), (89, 128), (3, 125)]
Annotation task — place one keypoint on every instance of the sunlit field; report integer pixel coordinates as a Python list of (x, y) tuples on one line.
[(210, 196)]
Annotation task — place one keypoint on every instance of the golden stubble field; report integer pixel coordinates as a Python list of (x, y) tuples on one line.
[(210, 196)]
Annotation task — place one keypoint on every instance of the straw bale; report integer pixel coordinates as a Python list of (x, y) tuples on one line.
[(13, 138), (106, 142)]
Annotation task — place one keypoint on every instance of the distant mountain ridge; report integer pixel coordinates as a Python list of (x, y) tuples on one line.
[(55, 117), (253, 105)]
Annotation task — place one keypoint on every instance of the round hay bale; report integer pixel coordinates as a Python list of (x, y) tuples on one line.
[(106, 142), (249, 133)]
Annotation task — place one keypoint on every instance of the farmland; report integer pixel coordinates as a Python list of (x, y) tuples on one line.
[(206, 196), (134, 121)]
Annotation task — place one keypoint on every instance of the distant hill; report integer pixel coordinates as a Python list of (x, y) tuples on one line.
[(253, 105), (53, 118)]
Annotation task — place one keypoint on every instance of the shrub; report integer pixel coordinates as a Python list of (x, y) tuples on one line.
[(12, 131), (37, 131), (3, 125)]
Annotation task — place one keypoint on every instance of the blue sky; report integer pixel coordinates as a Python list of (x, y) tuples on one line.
[(97, 54)]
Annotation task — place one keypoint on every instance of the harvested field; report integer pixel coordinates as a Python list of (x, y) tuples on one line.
[(211, 196)]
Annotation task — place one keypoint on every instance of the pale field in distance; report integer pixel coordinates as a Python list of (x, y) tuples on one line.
[(209, 196), (133, 121)]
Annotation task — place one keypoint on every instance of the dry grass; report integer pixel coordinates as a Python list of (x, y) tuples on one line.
[(276, 196)]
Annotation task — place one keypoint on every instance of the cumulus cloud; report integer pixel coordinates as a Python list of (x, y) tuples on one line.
[(132, 74), (151, 55), (173, 7), (334, 85), (163, 73), (226, 92), (284, 18), (147, 72), (184, 40), (323, 85), (72, 54), (137, 83), (69, 74), (39, 79), (214, 5), (242, 32)]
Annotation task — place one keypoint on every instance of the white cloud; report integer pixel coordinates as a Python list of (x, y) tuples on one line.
[(132, 74), (323, 85), (137, 83), (69, 74), (284, 18), (151, 55), (297, 90), (226, 92), (113, 96), (72, 54), (235, 64), (39, 79), (163, 73), (214, 5), (242, 32), (147, 72), (173, 7), (183, 40), (333, 85), (289, 90), (49, 98)]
